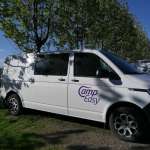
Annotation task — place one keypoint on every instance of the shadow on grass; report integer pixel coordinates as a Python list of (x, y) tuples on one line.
[(32, 141), (65, 118), (58, 137), (23, 142), (144, 140), (140, 148), (86, 147)]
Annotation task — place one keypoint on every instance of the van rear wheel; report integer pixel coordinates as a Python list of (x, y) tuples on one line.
[(14, 104), (127, 123)]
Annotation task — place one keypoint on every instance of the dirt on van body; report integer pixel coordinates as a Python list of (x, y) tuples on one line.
[(35, 130)]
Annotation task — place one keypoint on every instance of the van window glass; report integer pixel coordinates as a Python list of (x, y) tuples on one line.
[(90, 65), (53, 64), (122, 64)]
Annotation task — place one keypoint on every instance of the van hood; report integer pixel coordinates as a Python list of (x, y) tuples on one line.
[(139, 81)]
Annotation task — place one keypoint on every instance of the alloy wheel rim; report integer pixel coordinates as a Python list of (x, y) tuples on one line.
[(13, 104), (126, 125)]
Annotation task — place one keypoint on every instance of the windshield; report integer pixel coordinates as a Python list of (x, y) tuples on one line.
[(122, 64)]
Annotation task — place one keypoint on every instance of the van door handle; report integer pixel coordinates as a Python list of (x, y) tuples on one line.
[(75, 80), (61, 79)]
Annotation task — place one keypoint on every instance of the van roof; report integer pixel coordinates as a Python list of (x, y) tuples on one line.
[(23, 54), (70, 51)]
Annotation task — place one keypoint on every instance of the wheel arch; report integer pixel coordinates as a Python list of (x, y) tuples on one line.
[(13, 92), (121, 104)]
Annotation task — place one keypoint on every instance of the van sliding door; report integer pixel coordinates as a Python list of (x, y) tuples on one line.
[(48, 92)]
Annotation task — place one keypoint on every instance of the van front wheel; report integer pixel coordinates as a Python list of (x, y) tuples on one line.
[(127, 123), (14, 104)]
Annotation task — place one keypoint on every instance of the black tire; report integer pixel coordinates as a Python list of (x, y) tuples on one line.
[(128, 124), (14, 104)]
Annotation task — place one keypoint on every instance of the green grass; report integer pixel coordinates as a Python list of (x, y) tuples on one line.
[(35, 130), (15, 132)]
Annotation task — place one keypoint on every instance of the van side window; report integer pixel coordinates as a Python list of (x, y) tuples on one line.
[(90, 65), (54, 64)]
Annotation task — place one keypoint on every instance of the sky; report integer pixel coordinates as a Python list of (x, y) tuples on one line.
[(139, 8), (7, 47)]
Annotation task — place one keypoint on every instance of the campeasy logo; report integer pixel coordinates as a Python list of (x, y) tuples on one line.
[(89, 95)]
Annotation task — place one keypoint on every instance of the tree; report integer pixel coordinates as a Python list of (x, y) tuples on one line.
[(102, 24), (73, 22), (30, 24)]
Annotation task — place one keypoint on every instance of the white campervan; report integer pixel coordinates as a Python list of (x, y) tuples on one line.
[(89, 84)]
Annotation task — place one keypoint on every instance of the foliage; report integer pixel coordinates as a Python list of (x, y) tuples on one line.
[(35, 25), (28, 23)]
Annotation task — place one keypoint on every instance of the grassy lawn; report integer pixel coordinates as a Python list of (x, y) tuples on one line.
[(34, 130), (38, 130)]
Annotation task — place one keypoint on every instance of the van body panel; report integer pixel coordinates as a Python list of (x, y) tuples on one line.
[(47, 90), (79, 96)]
